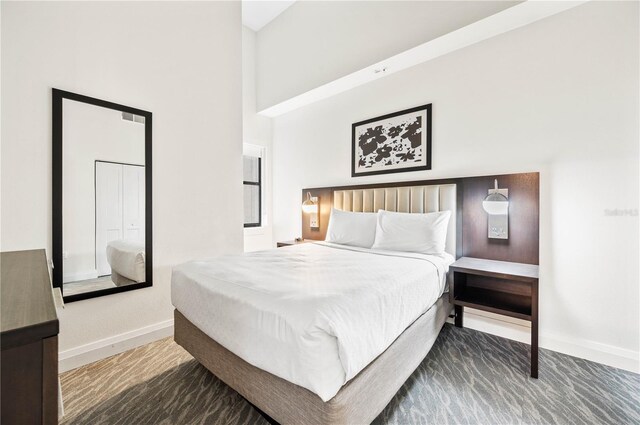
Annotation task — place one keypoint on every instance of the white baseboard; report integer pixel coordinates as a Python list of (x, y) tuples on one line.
[(75, 277), (98, 350), (506, 327), (595, 351), (519, 330)]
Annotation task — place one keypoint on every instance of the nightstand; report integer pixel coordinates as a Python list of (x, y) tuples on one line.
[(292, 242), (501, 287)]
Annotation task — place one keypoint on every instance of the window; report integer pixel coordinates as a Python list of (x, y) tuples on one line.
[(252, 186)]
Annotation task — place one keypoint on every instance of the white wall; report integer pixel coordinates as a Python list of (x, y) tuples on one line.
[(182, 62), (315, 42), (559, 96), (90, 133), (256, 131)]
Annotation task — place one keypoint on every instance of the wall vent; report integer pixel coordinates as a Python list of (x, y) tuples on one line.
[(132, 117)]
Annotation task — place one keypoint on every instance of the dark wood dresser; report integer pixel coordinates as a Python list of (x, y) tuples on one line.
[(28, 340)]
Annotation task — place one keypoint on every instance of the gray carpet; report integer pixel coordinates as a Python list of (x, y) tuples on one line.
[(468, 378), (88, 285)]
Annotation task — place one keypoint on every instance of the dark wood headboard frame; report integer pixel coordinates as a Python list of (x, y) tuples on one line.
[(471, 240)]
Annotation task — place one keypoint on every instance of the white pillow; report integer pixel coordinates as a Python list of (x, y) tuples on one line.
[(352, 228), (422, 233)]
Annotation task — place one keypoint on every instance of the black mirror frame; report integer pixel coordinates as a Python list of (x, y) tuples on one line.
[(57, 273)]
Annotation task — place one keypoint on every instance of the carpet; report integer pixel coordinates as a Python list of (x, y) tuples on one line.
[(469, 377)]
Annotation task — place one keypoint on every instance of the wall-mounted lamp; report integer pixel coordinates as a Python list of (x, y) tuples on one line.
[(310, 206), (496, 204)]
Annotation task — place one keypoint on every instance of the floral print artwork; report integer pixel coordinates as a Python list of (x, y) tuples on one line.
[(395, 142)]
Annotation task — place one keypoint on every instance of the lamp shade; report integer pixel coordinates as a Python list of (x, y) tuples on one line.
[(309, 207), (496, 204)]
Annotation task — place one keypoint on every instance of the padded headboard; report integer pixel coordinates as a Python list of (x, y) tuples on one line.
[(409, 199)]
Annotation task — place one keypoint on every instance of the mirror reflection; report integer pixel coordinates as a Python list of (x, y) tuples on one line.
[(103, 178)]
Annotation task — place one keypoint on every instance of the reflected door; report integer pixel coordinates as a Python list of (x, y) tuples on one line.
[(133, 202), (119, 208), (108, 211)]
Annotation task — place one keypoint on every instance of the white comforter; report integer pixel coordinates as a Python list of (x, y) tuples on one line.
[(314, 314)]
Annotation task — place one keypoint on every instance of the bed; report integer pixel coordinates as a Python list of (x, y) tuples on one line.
[(127, 261), (319, 333)]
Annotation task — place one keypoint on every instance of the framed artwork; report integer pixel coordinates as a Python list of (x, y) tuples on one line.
[(392, 143)]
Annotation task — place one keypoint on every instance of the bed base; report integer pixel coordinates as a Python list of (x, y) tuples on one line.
[(359, 401), (120, 280)]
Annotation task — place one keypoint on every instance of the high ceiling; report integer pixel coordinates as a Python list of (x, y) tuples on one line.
[(257, 14)]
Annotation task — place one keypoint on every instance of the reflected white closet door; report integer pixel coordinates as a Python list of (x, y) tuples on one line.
[(109, 211), (133, 202)]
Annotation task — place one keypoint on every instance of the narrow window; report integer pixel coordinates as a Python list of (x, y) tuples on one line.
[(252, 185)]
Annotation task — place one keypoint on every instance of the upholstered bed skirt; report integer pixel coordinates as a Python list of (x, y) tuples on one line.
[(359, 401)]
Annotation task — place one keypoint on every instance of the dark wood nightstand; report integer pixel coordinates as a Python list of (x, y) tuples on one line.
[(500, 287), (292, 242)]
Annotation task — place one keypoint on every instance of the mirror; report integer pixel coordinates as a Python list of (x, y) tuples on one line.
[(101, 197)]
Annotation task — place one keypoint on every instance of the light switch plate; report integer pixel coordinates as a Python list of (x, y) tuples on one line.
[(313, 218), (498, 225)]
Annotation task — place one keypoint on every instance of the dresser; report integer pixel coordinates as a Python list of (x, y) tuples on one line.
[(28, 340)]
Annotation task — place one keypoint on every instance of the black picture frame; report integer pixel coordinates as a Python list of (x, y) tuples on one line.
[(426, 144), (57, 193)]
